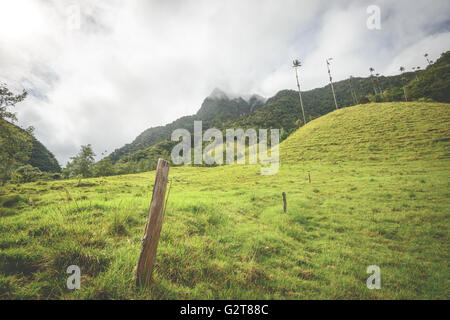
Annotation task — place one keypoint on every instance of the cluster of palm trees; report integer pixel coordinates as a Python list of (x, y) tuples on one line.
[(430, 62), (377, 88), (402, 69)]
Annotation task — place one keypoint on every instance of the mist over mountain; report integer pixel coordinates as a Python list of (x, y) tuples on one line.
[(218, 107)]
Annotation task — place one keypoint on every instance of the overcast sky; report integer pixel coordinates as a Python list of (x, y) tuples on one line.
[(130, 65)]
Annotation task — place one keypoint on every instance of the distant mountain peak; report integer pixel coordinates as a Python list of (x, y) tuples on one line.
[(256, 101), (218, 94)]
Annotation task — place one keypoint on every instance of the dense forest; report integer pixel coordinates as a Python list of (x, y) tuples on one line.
[(42, 158)]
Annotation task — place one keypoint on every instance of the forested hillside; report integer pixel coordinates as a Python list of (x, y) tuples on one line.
[(283, 110), (40, 157), (432, 83)]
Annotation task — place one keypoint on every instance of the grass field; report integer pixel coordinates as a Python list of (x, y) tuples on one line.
[(379, 196)]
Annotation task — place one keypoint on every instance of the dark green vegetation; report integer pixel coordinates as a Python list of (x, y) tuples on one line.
[(31, 155), (19, 150), (15, 147), (432, 84), (40, 157), (378, 196), (81, 164)]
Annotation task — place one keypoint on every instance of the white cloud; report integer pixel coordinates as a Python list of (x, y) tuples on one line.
[(137, 64)]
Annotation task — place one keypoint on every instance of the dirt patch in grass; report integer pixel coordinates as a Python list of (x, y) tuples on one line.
[(18, 261)]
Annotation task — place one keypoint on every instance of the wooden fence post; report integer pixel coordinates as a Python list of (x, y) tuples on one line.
[(284, 201), (153, 227), (309, 177)]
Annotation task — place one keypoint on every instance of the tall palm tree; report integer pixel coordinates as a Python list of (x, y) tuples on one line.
[(361, 87), (380, 89), (404, 88), (414, 70), (371, 78), (402, 69), (331, 81), (297, 64), (426, 57), (352, 91)]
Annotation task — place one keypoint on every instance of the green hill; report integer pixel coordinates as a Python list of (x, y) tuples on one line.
[(279, 112), (387, 131), (282, 110), (378, 196), (40, 156)]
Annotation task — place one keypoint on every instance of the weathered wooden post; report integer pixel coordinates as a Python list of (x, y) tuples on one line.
[(153, 227), (284, 201)]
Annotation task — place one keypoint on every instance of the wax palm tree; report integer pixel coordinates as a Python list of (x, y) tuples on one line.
[(297, 64), (352, 91), (380, 89), (426, 57), (371, 79), (404, 88), (414, 70), (331, 82), (418, 69), (402, 69), (361, 87)]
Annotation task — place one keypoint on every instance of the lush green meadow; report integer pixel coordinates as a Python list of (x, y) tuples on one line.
[(379, 195)]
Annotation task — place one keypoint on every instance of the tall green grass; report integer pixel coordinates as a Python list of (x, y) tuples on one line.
[(379, 196)]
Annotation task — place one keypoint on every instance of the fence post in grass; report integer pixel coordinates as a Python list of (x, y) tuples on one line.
[(309, 177), (284, 201), (154, 224)]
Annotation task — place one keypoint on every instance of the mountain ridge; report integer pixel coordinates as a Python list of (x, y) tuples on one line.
[(218, 101), (281, 111), (216, 108)]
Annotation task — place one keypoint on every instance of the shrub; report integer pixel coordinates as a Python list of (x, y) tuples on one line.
[(363, 100), (27, 173)]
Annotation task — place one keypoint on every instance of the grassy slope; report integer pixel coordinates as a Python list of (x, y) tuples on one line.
[(379, 195)]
